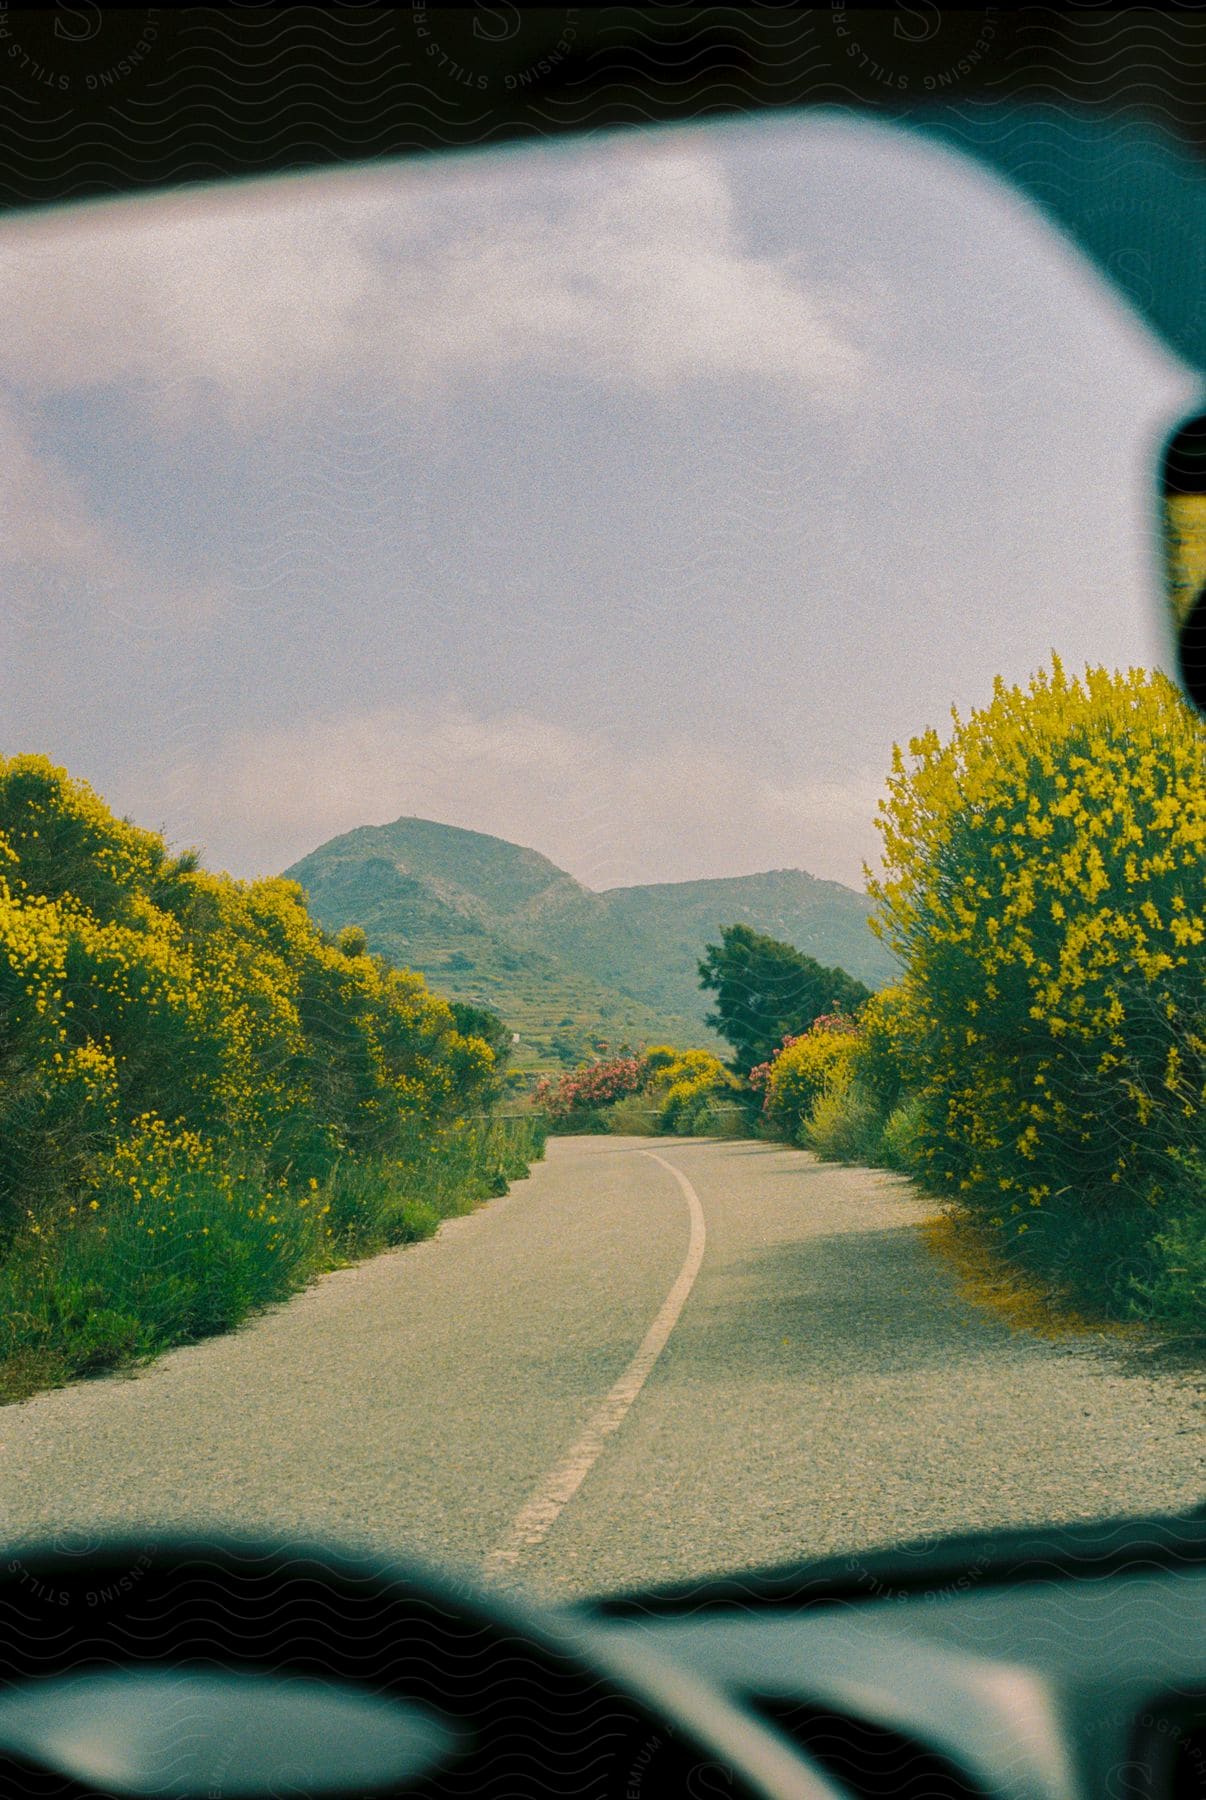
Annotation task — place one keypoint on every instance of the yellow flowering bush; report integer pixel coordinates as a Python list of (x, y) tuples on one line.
[(185, 1061), (132, 984), (686, 1088), (1043, 887), (879, 1056), (807, 1067), (668, 1067)]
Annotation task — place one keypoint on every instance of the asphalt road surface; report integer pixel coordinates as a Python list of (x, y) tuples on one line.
[(655, 1358)]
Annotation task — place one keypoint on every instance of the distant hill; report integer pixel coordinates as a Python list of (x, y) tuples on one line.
[(677, 918), (492, 922)]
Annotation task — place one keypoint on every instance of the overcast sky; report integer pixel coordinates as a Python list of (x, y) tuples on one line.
[(628, 499)]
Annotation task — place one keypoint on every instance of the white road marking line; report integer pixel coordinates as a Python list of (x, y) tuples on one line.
[(535, 1518)]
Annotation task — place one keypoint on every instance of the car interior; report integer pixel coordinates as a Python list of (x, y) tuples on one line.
[(1056, 1662)]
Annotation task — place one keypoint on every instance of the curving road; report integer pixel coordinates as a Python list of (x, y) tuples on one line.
[(652, 1359)]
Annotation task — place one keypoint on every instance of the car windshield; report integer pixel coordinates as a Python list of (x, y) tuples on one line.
[(600, 880)]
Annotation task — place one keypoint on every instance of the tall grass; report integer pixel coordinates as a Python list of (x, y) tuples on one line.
[(80, 1294)]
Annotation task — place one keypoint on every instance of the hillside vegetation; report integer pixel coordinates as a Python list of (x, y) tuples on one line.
[(204, 1099), (571, 970)]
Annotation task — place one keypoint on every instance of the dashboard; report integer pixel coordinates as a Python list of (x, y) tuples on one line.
[(1055, 1664)]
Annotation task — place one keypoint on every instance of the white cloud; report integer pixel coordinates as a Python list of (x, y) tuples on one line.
[(57, 554), (611, 812), (615, 267), (45, 521)]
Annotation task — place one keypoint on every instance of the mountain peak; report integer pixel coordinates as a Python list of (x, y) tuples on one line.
[(504, 877), (488, 920)]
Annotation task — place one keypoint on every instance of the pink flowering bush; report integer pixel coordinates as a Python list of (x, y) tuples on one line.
[(759, 1075), (577, 1099), (677, 1089), (840, 1024)]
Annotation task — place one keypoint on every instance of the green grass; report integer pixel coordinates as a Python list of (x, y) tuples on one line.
[(76, 1300)]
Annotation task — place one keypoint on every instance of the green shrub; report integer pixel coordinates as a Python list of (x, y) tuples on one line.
[(879, 1056), (1175, 1291), (902, 1137), (724, 1119), (634, 1116), (405, 1221), (187, 1255), (1093, 1258), (845, 1124), (580, 1122), (684, 1105)]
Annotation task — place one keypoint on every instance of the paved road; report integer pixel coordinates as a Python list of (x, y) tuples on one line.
[(629, 1369)]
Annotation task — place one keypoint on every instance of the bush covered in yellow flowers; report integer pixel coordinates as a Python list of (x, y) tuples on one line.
[(691, 1090), (189, 1069), (1043, 887), (807, 1067), (1041, 1061)]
